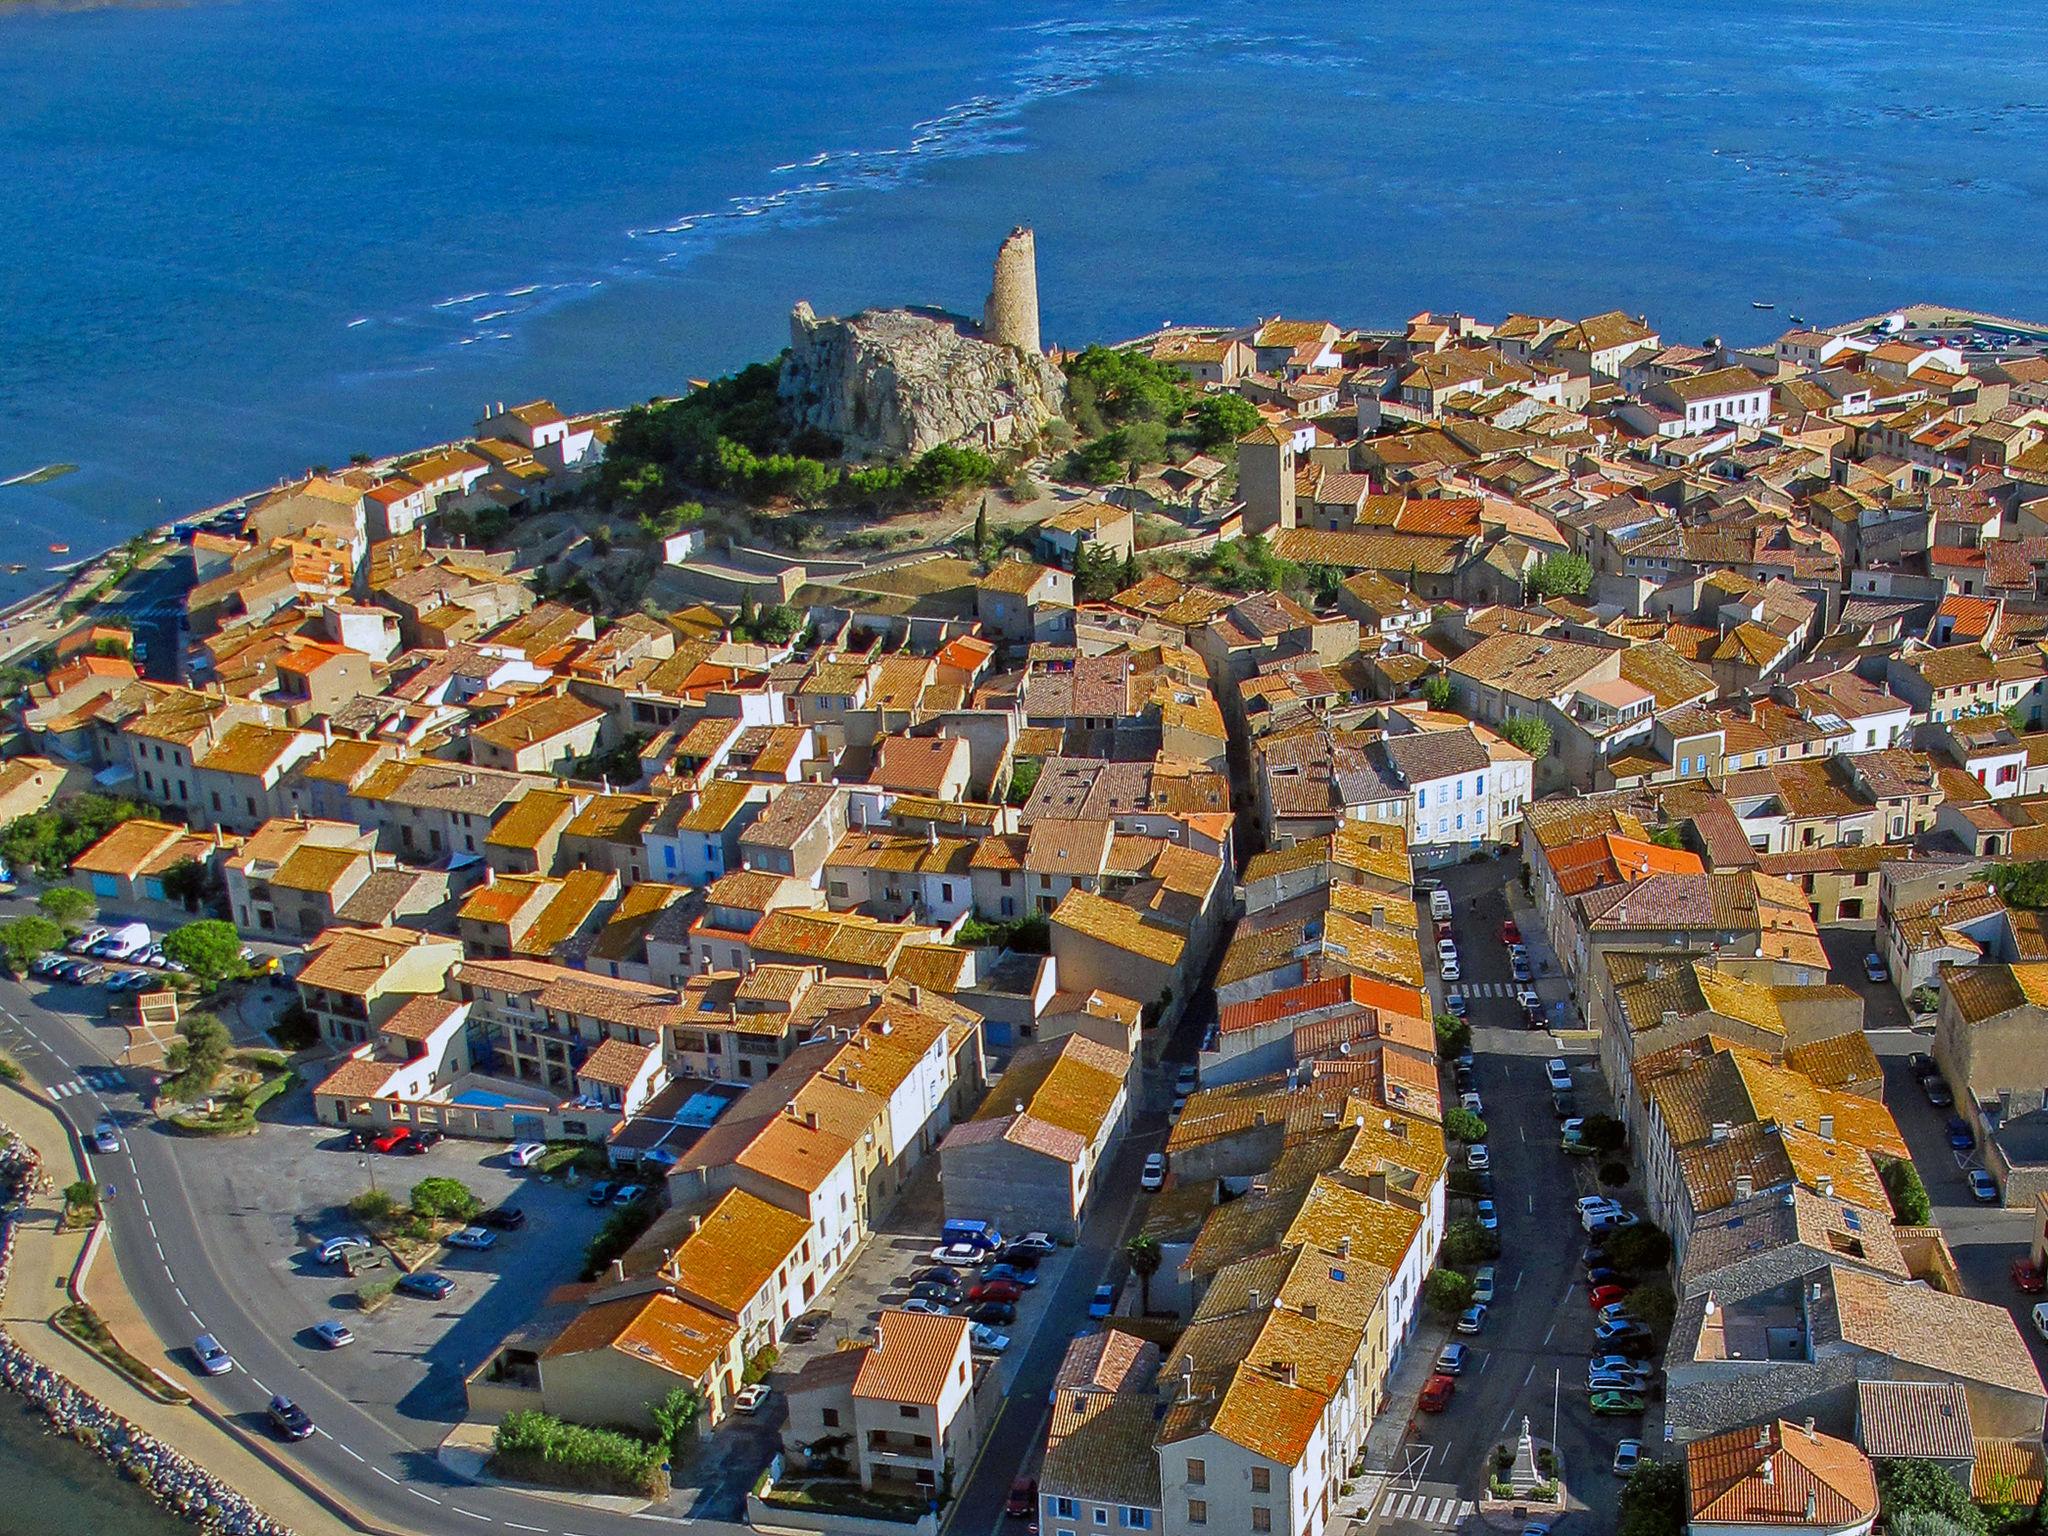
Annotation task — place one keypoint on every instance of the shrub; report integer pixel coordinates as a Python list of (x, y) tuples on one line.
[(1603, 1133), (373, 1205), (1653, 1500), (1528, 733), (372, 1294), (620, 1231), (1560, 576), (67, 906), (1436, 691), (1462, 1125), (1614, 1173), (1652, 1302), (48, 840), (1639, 1248), (1466, 1242), (1023, 779), (1913, 1485), (541, 1448), (1910, 1205), (1448, 1292), (760, 1363), (444, 1199), (196, 1056)]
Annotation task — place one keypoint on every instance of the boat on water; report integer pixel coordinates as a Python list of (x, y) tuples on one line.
[(60, 549), (15, 568), (1797, 319), (1760, 304)]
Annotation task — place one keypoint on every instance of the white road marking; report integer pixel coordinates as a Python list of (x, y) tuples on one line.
[(517, 1526), (261, 1388), (160, 1256), (427, 1496), (469, 1512), (1547, 1336), (181, 1299), (194, 1316), (358, 1455), (152, 1229), (386, 1476)]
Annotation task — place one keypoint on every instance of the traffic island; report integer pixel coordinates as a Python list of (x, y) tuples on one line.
[(1525, 1485)]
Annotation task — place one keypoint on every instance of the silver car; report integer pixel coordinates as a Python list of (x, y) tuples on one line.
[(213, 1360), (334, 1335)]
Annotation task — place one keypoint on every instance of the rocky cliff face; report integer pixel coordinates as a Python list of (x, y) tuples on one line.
[(895, 382)]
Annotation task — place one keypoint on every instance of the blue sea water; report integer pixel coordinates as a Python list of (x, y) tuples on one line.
[(240, 238)]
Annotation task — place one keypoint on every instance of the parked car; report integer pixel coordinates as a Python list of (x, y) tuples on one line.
[(996, 1290), (525, 1154), (1937, 1092), (1510, 932), (1436, 1393), (927, 1308), (626, 1194), (1613, 1403), (1472, 1319), (1960, 1136), (1614, 1381), (1024, 1279), (86, 973), (45, 965), (388, 1139), (1559, 1073), (751, 1398), (1628, 1455), (2026, 1274), (1477, 1157), (1601, 1275), (334, 1249), (1874, 968), (986, 1340), (600, 1192), (1022, 1503), (1447, 949), (213, 1360), (1610, 1221), (1600, 1295), (1921, 1065), (1482, 1283), (474, 1238), (1614, 1363), (1017, 1256), (934, 1290), (1617, 1335), (422, 1141), (2040, 1317), (289, 1419), (1185, 1081), (981, 1234), (804, 1328), (1032, 1242), (1532, 1010), (935, 1274), (1449, 970), (1487, 1216), (333, 1334), (959, 1256), (1518, 967), (427, 1285), (505, 1218), (1103, 1302), (106, 1137), (1451, 1359), (83, 941), (993, 1313), (1455, 1004), (1153, 1178), (1983, 1188)]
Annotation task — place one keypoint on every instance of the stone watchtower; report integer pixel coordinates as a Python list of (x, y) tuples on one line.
[(1010, 317), (1265, 479)]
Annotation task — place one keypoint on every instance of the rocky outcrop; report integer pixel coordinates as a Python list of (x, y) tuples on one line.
[(893, 383)]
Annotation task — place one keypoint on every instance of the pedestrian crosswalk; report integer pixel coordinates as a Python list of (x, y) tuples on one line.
[(1488, 988), (1427, 1509), (67, 1090)]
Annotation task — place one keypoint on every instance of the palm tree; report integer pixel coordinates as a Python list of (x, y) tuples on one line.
[(1145, 1256)]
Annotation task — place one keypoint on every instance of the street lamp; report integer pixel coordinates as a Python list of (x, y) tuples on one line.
[(370, 1168)]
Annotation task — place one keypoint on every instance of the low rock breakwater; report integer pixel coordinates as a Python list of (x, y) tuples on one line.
[(172, 1479)]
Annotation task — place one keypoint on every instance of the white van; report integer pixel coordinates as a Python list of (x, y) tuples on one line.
[(2041, 1318), (1440, 904)]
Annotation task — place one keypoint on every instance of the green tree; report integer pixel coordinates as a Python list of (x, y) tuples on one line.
[(743, 622), (210, 949), (1652, 1302), (1603, 1133), (188, 881), (1910, 1484), (1638, 1249), (1145, 1255), (67, 906), (1120, 386), (444, 1199), (48, 840), (941, 471), (981, 530), (1095, 574), (1669, 837), (1466, 1242), (1528, 733), (23, 939), (1132, 572), (196, 1057), (2022, 885), (1453, 1036), (1436, 691), (1024, 773), (1448, 1292), (1220, 419), (674, 1416), (1460, 1124), (1560, 576), (1653, 1500), (1910, 1205)]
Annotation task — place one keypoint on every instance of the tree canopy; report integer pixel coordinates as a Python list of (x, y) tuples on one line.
[(1220, 419), (1653, 1500), (1560, 575), (210, 949), (67, 906), (48, 840), (2022, 885), (1911, 1484), (1528, 733), (1910, 1204), (23, 939)]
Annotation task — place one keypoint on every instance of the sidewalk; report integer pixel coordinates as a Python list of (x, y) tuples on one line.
[(1551, 984), (1395, 1422), (43, 1262)]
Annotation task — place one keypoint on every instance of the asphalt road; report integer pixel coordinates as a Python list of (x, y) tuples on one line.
[(1531, 1356)]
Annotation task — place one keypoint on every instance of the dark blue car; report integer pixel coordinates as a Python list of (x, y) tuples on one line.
[(1960, 1135)]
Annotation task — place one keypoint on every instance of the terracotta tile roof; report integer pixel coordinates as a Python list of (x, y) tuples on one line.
[(616, 1063), (656, 1327), (127, 848), (1113, 923), (362, 1078), (1930, 1419), (1727, 1478), (912, 1359), (1951, 1336), (538, 813), (419, 1017), (733, 1254), (538, 720)]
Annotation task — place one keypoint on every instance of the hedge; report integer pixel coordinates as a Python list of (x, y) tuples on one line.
[(540, 1448)]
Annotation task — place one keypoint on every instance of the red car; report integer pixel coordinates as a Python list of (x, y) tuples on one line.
[(1601, 1295), (2026, 1274), (1436, 1394), (1023, 1501), (997, 1290), (391, 1140), (1510, 932)]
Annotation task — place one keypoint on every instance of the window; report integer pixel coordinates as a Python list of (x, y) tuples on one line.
[(1198, 1511), (1137, 1519), (1262, 1518), (1101, 1515), (1065, 1509), (1479, 784), (1460, 789), (906, 1411), (1262, 1479), (1198, 1471), (831, 1416)]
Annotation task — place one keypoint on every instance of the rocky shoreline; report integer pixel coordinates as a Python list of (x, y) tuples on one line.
[(173, 1480)]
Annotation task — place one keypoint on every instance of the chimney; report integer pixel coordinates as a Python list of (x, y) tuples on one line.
[(916, 995), (1344, 1246), (1812, 1501), (1825, 1184), (931, 834), (1253, 1301), (326, 731), (1187, 1376), (810, 1119), (618, 1271), (696, 1222), (1375, 1186), (1767, 1472), (1654, 971), (1286, 1368), (1721, 1131), (1813, 1438), (1745, 1186), (1827, 1127)]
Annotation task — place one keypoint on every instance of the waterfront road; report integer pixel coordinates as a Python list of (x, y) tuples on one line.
[(184, 1284)]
